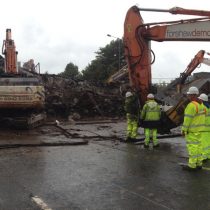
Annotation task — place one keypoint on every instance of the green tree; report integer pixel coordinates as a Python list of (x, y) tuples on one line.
[(106, 62), (71, 71)]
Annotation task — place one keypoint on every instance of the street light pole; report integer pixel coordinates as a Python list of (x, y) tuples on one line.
[(119, 48)]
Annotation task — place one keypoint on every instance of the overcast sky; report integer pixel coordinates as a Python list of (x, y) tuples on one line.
[(55, 33)]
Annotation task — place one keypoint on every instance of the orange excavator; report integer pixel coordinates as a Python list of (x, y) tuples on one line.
[(196, 61), (138, 52), (179, 82), (10, 53), (22, 96)]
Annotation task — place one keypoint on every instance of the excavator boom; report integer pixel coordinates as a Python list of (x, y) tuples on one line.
[(137, 37), (179, 10), (10, 53), (197, 60), (137, 46)]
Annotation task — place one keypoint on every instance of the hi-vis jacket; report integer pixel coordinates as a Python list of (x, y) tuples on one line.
[(207, 118), (194, 117), (151, 111)]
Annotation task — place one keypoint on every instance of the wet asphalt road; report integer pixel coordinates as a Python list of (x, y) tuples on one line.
[(102, 175)]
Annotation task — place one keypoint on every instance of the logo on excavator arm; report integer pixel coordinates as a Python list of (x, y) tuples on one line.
[(189, 31)]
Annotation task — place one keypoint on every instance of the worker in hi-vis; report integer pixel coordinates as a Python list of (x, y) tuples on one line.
[(205, 141), (132, 115), (150, 117), (192, 128)]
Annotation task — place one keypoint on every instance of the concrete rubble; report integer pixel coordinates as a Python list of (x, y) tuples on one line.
[(81, 99), (170, 95)]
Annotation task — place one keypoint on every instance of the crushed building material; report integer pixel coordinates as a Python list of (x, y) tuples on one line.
[(67, 97)]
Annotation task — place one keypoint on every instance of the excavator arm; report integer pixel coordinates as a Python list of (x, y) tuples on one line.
[(10, 53), (137, 44), (137, 37), (195, 62), (198, 59), (179, 10)]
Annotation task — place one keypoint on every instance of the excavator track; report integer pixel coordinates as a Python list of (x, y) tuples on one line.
[(24, 122), (30, 122)]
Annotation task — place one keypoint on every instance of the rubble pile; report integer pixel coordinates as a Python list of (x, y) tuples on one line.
[(67, 97), (169, 95)]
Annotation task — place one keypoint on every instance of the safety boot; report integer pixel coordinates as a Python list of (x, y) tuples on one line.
[(199, 167), (128, 139), (187, 168), (131, 140), (205, 160), (146, 146)]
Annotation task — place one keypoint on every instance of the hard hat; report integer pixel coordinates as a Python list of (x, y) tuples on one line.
[(128, 94), (193, 90), (203, 97), (150, 95)]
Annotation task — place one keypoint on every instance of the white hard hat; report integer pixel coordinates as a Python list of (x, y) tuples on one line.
[(150, 95), (128, 94), (193, 90), (203, 97)]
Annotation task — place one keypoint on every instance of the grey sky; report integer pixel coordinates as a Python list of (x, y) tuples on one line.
[(55, 33)]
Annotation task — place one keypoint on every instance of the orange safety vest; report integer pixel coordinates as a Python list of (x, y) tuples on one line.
[(196, 106)]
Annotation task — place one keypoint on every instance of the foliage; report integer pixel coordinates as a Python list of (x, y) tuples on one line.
[(106, 62), (71, 71)]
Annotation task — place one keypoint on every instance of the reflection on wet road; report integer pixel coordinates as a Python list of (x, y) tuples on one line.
[(103, 174)]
